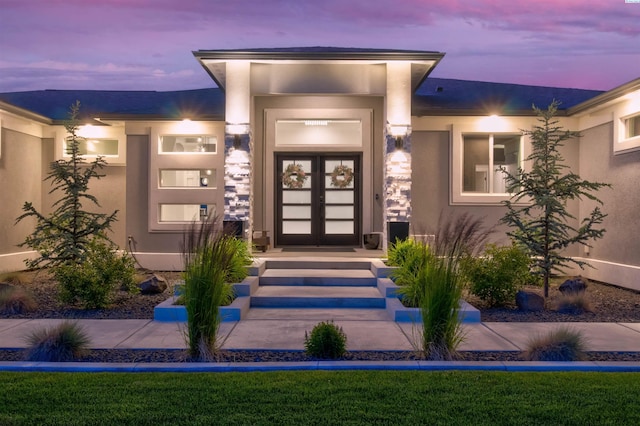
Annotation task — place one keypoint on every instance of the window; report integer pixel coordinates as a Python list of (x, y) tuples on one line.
[(186, 212), (173, 144), (485, 158), (479, 157), (632, 126), (203, 178), (626, 125), (96, 147)]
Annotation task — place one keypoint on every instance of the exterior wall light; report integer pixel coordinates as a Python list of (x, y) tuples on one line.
[(237, 129)]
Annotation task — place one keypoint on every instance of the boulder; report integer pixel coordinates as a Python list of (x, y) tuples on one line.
[(529, 301), (153, 284), (573, 286)]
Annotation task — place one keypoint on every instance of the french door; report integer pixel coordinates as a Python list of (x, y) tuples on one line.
[(318, 199)]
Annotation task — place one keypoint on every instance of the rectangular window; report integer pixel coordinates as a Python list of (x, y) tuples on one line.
[(174, 144), (484, 159), (203, 178), (319, 132), (632, 126), (186, 212), (96, 147)]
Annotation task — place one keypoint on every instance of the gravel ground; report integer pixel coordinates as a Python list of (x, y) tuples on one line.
[(609, 303)]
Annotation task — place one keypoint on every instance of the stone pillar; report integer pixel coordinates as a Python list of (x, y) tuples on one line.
[(238, 145), (397, 151)]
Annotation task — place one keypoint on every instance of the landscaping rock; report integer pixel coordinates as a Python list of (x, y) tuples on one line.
[(154, 284), (529, 301), (573, 286)]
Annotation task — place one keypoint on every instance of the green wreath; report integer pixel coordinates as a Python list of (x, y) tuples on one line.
[(294, 176), (342, 176)]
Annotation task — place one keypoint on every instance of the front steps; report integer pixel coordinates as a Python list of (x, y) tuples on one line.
[(316, 289), (313, 284)]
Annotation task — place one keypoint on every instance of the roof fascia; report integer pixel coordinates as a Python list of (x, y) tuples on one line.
[(611, 95)]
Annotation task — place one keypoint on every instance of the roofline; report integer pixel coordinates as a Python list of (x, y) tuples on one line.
[(475, 112), (24, 113), (605, 97), (396, 55)]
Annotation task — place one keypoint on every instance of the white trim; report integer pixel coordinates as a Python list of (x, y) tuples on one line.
[(160, 261), (15, 261), (456, 194), (622, 144), (619, 274)]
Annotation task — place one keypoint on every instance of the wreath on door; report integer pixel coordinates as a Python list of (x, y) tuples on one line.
[(294, 176), (342, 176)]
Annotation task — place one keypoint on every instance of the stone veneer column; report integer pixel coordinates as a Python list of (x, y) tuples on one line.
[(237, 179), (397, 180)]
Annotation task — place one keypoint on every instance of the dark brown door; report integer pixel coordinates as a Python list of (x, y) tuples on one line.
[(318, 199)]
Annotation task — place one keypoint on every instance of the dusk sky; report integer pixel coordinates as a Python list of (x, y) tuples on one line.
[(147, 44)]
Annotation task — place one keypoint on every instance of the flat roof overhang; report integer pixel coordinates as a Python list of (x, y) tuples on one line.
[(422, 62)]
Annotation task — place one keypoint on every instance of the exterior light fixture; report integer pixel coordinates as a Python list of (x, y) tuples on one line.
[(399, 129), (237, 128)]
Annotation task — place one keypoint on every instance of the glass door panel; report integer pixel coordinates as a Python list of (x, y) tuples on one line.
[(318, 199)]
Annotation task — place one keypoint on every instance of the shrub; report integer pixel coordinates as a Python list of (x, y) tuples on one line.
[(65, 342), (93, 283), (562, 344), (497, 276), (409, 265), (208, 254), (16, 300), (400, 251), (327, 340), (237, 268), (574, 303)]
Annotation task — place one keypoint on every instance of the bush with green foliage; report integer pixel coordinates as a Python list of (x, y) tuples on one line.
[(93, 283), (237, 268), (498, 274), (409, 257), (327, 341), (65, 342), (209, 256), (562, 344)]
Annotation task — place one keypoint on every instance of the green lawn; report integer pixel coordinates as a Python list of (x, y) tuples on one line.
[(319, 397)]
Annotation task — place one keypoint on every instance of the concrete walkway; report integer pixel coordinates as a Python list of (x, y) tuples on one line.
[(269, 330)]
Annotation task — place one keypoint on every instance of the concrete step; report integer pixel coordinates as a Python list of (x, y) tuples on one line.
[(273, 296), (318, 314), (318, 277), (316, 263)]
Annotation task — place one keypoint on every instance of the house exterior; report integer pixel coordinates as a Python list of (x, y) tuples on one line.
[(318, 147)]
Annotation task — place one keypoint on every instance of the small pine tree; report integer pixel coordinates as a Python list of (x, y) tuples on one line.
[(541, 225), (64, 236)]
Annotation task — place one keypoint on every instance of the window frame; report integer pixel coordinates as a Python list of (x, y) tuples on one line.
[(621, 143), (212, 195), (457, 196)]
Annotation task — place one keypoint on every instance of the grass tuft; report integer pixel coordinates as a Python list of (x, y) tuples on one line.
[(562, 344), (574, 303), (62, 343), (17, 277), (16, 300)]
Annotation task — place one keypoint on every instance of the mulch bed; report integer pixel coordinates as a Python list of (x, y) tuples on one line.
[(610, 304)]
